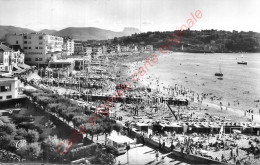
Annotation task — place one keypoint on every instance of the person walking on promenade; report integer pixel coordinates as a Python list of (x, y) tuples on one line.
[(237, 150), (222, 157)]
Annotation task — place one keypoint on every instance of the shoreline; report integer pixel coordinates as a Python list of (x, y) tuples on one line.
[(149, 81)]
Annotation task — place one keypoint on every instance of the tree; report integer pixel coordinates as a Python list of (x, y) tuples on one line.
[(10, 128), (117, 127), (104, 158), (33, 136), (22, 132), (5, 141), (31, 151), (54, 149)]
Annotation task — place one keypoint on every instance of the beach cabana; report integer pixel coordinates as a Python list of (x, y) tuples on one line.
[(172, 127), (215, 128), (142, 126)]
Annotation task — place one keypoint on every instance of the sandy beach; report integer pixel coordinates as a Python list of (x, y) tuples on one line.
[(154, 81)]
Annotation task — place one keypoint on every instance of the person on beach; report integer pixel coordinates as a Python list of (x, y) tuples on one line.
[(231, 153)]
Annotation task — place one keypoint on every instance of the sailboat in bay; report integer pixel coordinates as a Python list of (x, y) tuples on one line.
[(242, 62), (219, 74)]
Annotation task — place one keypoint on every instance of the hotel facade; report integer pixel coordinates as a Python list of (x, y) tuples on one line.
[(38, 47)]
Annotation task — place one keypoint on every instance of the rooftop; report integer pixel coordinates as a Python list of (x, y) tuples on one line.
[(3, 78), (4, 47)]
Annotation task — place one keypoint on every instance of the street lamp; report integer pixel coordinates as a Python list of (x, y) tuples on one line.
[(37, 59), (127, 149)]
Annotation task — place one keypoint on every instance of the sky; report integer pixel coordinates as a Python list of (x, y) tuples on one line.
[(146, 15)]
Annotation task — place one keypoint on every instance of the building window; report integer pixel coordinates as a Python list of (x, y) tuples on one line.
[(1, 97), (5, 88), (27, 59), (9, 97), (29, 47), (25, 37), (17, 42), (25, 47), (36, 47), (25, 42), (40, 47), (40, 37), (38, 59), (40, 43)]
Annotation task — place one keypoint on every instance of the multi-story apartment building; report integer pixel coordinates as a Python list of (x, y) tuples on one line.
[(5, 63), (38, 47), (11, 58), (78, 47), (68, 45), (17, 55)]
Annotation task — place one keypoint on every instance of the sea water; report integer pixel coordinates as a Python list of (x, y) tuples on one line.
[(241, 83)]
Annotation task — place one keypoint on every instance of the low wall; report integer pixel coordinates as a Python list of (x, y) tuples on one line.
[(194, 158)]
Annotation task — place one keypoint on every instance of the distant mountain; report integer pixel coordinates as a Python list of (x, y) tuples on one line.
[(92, 33), (12, 29), (81, 33), (47, 31)]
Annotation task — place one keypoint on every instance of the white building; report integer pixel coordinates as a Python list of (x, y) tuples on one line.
[(88, 50), (5, 63), (8, 88), (149, 48), (68, 45), (11, 59), (38, 47)]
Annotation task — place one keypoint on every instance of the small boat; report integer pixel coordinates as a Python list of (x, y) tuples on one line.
[(242, 62), (220, 78), (219, 74)]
